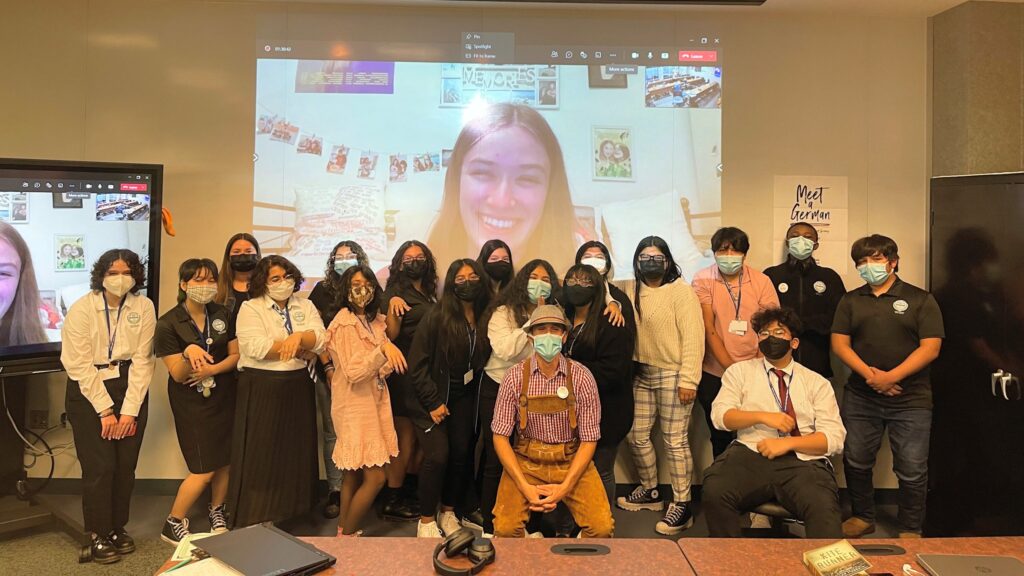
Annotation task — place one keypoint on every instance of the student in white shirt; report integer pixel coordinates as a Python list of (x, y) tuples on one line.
[(273, 460), (107, 352), (788, 424)]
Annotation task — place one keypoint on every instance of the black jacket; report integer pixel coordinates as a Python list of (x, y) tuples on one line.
[(814, 292), (610, 360), (434, 377)]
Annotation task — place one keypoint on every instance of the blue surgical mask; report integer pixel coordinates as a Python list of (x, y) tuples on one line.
[(341, 265), (729, 265), (874, 273), (538, 289), (800, 247), (547, 346)]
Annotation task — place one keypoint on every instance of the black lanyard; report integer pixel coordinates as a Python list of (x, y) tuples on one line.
[(472, 344), (204, 335), (736, 300), (112, 335)]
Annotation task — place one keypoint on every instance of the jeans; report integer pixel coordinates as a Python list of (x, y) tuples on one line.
[(491, 473), (708, 390), (323, 399), (909, 432)]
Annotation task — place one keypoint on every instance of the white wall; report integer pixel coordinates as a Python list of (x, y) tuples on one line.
[(172, 83)]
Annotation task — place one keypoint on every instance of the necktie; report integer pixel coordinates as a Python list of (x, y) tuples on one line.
[(784, 397)]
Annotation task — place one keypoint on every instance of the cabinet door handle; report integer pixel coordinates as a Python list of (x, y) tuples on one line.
[(996, 376)]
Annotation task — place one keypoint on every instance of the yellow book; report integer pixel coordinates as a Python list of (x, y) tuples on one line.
[(839, 559)]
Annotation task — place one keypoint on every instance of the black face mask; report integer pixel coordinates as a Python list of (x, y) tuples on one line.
[(468, 290), (773, 347), (415, 269), (579, 295), (499, 270), (244, 262), (652, 270)]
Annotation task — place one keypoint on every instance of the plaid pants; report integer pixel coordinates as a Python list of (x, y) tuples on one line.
[(656, 398)]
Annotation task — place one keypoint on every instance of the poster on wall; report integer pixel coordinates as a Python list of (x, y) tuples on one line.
[(821, 201)]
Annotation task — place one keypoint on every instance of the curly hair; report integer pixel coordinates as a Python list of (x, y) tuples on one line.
[(107, 259), (331, 277), (785, 316), (516, 297), (374, 306), (258, 280), (429, 279)]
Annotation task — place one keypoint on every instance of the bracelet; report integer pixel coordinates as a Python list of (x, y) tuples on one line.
[(329, 366)]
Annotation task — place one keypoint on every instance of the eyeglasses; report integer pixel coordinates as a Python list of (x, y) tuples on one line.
[(462, 280), (414, 259), (649, 258), (584, 282), (279, 279), (778, 333)]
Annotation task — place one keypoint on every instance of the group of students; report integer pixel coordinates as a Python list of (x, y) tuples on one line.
[(550, 375)]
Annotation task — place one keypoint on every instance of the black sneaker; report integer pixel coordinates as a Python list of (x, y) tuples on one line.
[(641, 499), (396, 510), (103, 551), (218, 521), (474, 520), (122, 541), (677, 518), (333, 506), (174, 530)]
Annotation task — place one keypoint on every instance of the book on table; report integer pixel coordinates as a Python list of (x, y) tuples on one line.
[(838, 559)]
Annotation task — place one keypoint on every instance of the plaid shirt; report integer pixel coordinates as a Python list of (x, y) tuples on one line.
[(549, 428)]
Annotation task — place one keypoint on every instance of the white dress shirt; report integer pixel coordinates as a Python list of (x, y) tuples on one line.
[(510, 344), (261, 323), (750, 386), (85, 343)]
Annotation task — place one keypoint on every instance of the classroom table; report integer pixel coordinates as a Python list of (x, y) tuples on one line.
[(746, 556), (369, 556)]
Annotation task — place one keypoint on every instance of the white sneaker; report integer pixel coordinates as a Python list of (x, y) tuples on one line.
[(487, 535), (428, 530), (759, 521), (534, 535), (448, 522)]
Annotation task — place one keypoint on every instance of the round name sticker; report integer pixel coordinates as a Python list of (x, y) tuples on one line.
[(900, 306), (562, 392), (783, 288), (134, 318), (300, 316), (219, 326), (819, 287)]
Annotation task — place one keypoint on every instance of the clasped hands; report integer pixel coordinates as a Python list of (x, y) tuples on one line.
[(544, 497), (884, 383)]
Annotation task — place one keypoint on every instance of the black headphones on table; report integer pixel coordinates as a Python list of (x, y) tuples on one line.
[(479, 550)]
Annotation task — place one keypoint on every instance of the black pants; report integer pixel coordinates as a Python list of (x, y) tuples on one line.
[(108, 466), (708, 390), (491, 467), (447, 456), (740, 480)]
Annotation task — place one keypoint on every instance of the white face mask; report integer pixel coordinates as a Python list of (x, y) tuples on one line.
[(282, 290), (600, 264), (202, 294), (119, 284)]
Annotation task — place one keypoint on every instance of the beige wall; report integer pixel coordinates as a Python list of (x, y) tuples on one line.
[(172, 83)]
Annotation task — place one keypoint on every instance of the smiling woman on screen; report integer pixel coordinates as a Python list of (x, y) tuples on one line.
[(19, 295), (506, 180)]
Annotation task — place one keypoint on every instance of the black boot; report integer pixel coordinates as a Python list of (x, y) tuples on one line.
[(411, 492), (122, 541), (333, 506), (103, 551), (394, 508)]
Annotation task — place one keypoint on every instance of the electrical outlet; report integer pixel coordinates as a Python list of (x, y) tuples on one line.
[(38, 419)]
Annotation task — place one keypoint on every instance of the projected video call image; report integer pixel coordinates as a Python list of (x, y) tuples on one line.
[(543, 157)]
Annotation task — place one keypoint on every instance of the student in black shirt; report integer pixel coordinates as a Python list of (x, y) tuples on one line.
[(447, 358), (496, 260), (607, 351), (888, 332), (410, 293), (196, 341), (325, 296), (240, 257), (812, 291)]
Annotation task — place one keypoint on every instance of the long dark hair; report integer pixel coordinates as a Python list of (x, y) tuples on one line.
[(515, 296), (331, 277), (191, 268), (453, 318), (588, 334), (224, 282), (672, 271), (485, 252), (374, 306), (260, 274), (429, 279), (604, 250), (20, 323)]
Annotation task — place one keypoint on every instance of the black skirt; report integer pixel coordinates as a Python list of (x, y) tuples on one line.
[(273, 456), (204, 424)]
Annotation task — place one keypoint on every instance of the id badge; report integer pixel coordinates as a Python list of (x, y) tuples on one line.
[(738, 327), (109, 373), (467, 378)]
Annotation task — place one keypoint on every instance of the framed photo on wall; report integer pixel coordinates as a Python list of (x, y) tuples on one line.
[(613, 157)]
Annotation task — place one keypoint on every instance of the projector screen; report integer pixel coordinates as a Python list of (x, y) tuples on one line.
[(56, 219), (542, 155)]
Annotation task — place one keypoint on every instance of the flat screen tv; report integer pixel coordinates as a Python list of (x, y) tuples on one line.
[(56, 218)]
